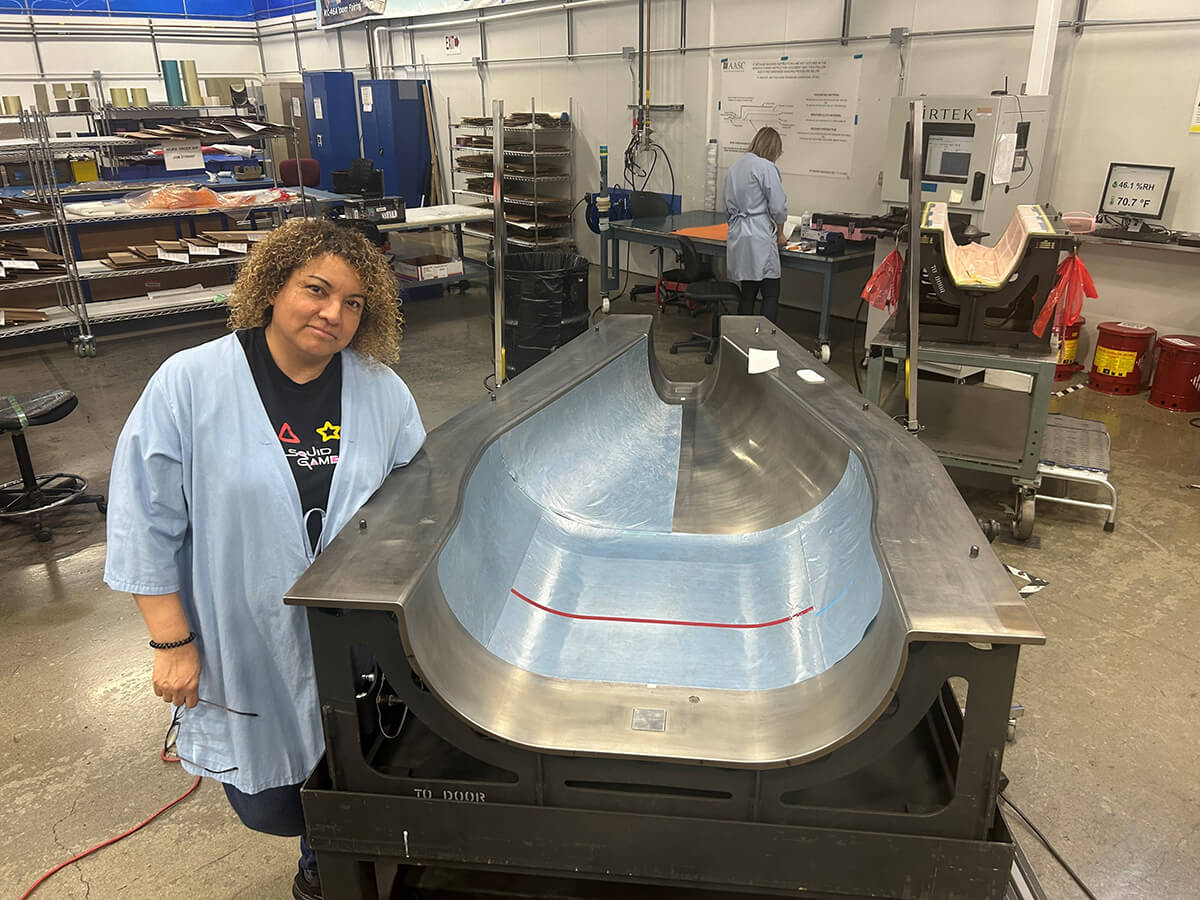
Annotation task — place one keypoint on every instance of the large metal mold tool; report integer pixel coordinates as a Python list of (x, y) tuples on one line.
[(602, 562)]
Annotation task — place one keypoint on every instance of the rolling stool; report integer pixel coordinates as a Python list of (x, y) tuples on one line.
[(32, 494)]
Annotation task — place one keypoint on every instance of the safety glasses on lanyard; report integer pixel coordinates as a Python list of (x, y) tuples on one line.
[(173, 733)]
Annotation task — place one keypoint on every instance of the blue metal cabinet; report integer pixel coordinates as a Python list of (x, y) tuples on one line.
[(332, 124), (396, 137)]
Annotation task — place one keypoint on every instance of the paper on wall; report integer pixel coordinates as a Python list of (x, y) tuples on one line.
[(368, 98), (1006, 152), (297, 112), (318, 112), (1195, 129)]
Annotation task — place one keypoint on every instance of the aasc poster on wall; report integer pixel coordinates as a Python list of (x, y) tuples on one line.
[(341, 12), (810, 102)]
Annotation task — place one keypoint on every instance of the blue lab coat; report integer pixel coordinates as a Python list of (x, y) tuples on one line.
[(202, 501), (754, 204)]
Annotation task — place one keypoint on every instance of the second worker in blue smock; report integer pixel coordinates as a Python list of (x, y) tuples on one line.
[(756, 207)]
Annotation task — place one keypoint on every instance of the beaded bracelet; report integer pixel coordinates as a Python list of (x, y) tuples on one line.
[(171, 645)]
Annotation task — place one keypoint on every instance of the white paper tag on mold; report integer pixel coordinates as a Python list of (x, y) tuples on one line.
[(760, 361)]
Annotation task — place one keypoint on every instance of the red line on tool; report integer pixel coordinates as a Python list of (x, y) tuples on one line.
[(567, 615)]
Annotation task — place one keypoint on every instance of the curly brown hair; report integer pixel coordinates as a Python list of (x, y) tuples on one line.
[(273, 259)]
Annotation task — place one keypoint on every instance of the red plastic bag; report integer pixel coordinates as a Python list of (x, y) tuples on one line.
[(883, 287), (1074, 283)]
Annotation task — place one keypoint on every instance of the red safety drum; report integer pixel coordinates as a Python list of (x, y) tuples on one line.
[(1177, 376), (1121, 349), (1068, 348)]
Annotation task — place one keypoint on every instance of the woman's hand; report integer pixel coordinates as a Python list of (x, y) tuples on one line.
[(176, 671), (177, 675)]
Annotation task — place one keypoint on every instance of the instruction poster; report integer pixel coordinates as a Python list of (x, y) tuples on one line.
[(1195, 129), (810, 102)]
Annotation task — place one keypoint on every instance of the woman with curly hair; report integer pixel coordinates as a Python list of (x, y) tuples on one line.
[(243, 458)]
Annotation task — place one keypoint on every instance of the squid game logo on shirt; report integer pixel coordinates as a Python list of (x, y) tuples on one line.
[(312, 457)]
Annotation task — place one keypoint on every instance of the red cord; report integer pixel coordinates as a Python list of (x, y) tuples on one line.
[(33, 887)]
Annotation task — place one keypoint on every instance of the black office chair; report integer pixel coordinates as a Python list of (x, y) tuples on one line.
[(361, 179), (708, 294), (649, 205), (33, 494)]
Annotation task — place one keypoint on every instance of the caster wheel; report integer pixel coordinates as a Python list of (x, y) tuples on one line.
[(825, 353), (674, 349), (102, 505), (1109, 526), (91, 350), (80, 351), (42, 534), (1023, 524), (708, 359), (1012, 731)]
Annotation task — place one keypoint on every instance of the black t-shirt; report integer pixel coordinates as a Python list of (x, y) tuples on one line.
[(306, 419)]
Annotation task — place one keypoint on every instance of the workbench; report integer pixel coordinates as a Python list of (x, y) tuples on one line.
[(453, 215), (657, 232)]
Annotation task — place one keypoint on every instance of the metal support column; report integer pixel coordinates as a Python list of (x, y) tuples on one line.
[(480, 62), (37, 49), (262, 54), (372, 56), (916, 168), (499, 236), (1041, 50), (154, 47), (845, 38), (1080, 15), (296, 43)]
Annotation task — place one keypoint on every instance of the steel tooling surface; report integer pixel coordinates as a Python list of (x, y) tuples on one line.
[(602, 561)]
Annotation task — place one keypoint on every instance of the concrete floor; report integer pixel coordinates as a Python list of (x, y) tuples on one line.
[(1104, 760)]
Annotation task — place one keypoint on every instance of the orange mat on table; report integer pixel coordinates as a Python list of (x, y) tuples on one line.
[(706, 232)]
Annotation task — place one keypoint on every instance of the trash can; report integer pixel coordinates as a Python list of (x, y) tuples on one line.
[(545, 304)]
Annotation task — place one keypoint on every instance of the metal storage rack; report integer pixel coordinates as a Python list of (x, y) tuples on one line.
[(557, 148), (74, 316), (110, 114), (38, 148)]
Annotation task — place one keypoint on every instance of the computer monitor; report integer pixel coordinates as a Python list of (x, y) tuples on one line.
[(1136, 191), (946, 148)]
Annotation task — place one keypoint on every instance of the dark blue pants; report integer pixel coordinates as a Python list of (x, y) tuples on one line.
[(769, 288), (274, 811)]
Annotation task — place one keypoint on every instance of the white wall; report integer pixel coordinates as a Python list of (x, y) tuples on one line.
[(121, 49), (1130, 95), (1120, 94), (1102, 107)]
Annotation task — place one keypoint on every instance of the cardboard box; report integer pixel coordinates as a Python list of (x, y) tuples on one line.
[(425, 268)]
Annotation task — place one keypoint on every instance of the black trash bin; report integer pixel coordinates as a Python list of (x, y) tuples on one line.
[(545, 304)]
